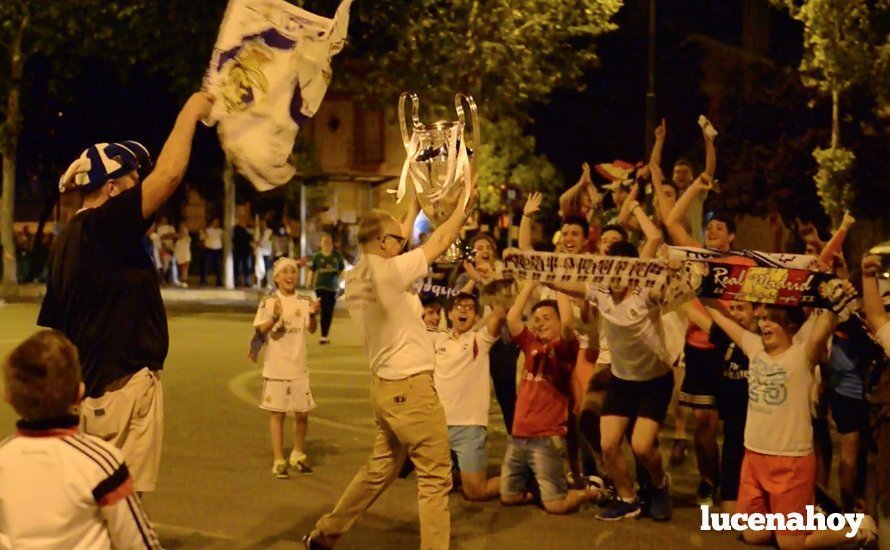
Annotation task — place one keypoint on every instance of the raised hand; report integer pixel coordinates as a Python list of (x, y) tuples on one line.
[(848, 221), (661, 130), (533, 204), (276, 308), (706, 182), (199, 104), (471, 271), (871, 265), (585, 174)]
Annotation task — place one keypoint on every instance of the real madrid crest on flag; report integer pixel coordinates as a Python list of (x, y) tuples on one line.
[(270, 69)]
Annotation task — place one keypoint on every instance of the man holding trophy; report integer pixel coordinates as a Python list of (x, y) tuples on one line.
[(381, 300)]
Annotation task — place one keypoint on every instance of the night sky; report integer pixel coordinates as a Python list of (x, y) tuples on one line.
[(601, 123)]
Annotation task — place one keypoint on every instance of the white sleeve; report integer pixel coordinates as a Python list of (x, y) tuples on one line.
[(128, 525), (751, 344), (121, 508), (485, 340), (264, 311), (883, 337), (410, 266)]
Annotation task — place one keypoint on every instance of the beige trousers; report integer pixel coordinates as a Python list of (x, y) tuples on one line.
[(131, 419), (410, 422)]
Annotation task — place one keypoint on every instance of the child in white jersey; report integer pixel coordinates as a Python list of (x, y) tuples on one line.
[(283, 317), (60, 488)]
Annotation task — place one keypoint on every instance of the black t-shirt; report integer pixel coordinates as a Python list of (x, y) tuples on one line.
[(241, 241), (732, 389), (103, 292)]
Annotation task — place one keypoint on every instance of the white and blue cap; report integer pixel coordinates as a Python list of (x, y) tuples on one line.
[(140, 152), (96, 165)]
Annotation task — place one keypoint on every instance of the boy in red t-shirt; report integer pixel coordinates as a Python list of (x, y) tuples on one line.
[(542, 405)]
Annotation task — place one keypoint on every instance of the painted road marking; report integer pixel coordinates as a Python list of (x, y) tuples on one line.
[(238, 387), (168, 530)]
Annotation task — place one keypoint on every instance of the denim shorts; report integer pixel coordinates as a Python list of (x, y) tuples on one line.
[(541, 457), (468, 445)]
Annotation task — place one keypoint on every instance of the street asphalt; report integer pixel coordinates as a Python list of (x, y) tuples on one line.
[(216, 489)]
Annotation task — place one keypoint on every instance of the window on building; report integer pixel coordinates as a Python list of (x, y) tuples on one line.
[(369, 136)]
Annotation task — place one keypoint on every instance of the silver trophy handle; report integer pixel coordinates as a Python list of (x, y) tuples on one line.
[(473, 130), (403, 119)]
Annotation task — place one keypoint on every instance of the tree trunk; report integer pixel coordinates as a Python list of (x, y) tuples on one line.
[(228, 224), (835, 120), (10, 136)]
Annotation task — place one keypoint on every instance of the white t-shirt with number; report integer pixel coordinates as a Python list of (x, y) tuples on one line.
[(285, 357), (778, 400), (381, 299), (462, 376)]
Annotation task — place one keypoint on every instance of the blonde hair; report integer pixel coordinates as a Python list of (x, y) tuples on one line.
[(371, 224)]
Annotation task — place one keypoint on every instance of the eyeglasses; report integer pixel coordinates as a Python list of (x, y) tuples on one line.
[(465, 307), (399, 239)]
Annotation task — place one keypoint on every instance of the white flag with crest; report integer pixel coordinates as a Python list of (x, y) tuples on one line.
[(270, 69)]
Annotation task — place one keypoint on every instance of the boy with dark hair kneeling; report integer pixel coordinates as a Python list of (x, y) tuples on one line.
[(61, 488), (537, 442)]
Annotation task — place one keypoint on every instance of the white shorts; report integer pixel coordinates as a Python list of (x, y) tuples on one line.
[(287, 395), (131, 419)]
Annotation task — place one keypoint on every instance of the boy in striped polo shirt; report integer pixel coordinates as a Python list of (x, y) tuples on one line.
[(61, 488)]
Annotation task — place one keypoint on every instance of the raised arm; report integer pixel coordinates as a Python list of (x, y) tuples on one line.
[(625, 214), (664, 203), (570, 201), (495, 320), (710, 151), (732, 329), (871, 293), (174, 158), (654, 236), (658, 147), (406, 226), (445, 234), (695, 312), (532, 205), (674, 220), (514, 316), (836, 244), (822, 329)]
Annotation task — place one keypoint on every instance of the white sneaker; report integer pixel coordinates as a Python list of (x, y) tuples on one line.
[(298, 463)]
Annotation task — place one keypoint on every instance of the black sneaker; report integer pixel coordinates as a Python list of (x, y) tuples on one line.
[(660, 502), (620, 509), (707, 494), (312, 544)]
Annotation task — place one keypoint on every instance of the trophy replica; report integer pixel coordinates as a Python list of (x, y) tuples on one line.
[(440, 162)]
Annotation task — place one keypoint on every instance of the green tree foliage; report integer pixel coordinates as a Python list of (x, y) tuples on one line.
[(508, 54), (842, 40)]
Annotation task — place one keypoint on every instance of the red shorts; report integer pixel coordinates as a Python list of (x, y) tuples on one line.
[(777, 485)]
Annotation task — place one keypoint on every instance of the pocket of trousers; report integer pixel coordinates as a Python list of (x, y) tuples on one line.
[(106, 417)]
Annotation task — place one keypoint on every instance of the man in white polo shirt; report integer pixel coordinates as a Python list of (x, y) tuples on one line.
[(382, 301), (462, 380)]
